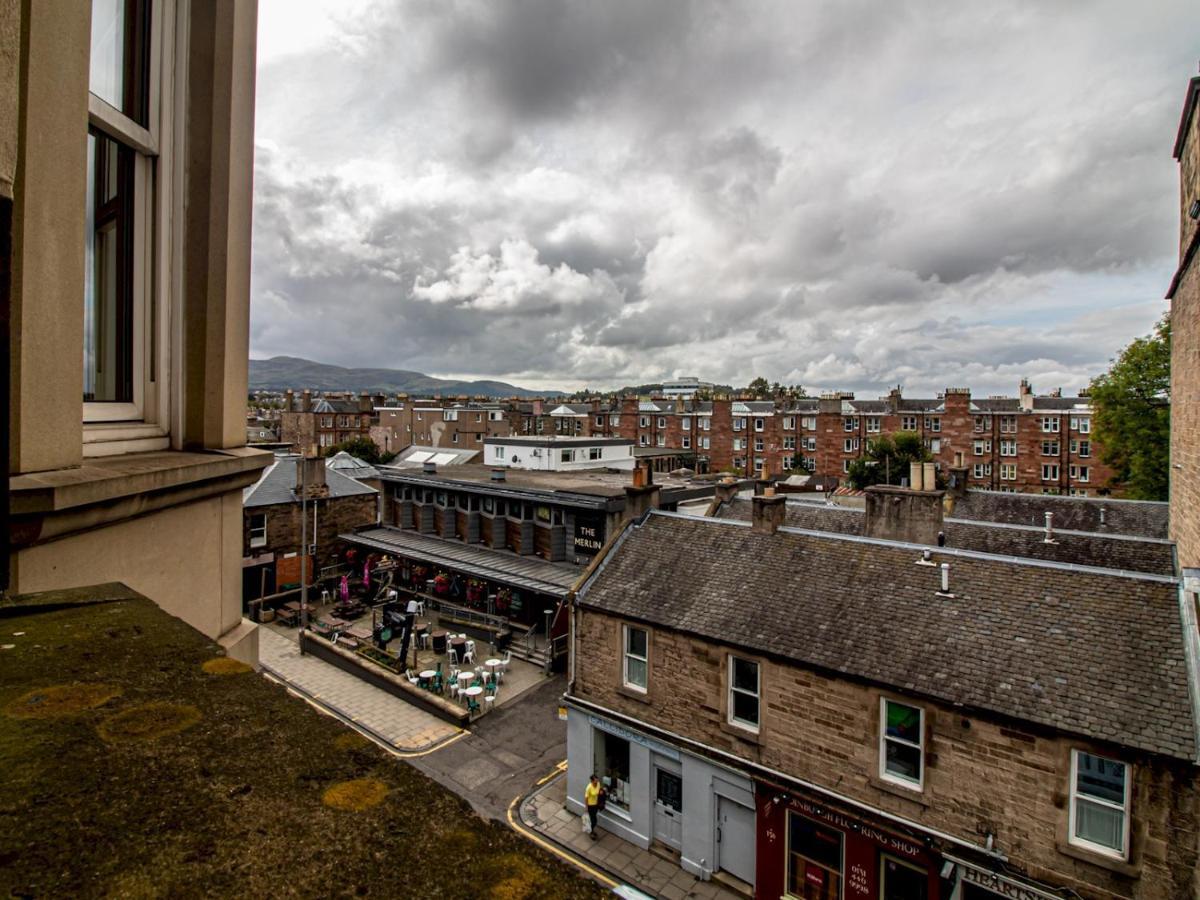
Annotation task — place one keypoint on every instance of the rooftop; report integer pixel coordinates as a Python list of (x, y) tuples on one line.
[(1143, 518), (188, 770), (1081, 548), (278, 485), (351, 466), (1089, 652)]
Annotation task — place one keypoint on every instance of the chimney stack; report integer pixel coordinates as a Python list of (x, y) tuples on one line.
[(726, 489), (903, 514), (769, 510), (310, 478), (1026, 396), (364, 402), (306, 401), (289, 400), (643, 494)]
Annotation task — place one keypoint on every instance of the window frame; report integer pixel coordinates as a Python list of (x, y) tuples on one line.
[(255, 541), (1125, 807), (730, 690), (144, 422), (627, 654), (884, 774)]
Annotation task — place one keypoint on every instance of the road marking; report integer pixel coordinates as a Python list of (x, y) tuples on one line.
[(522, 830)]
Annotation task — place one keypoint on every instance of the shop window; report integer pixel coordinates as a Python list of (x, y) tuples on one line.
[(900, 880), (612, 765), (1099, 803), (258, 531), (595, 453), (902, 741), (814, 864), (743, 692), (489, 505), (636, 655)]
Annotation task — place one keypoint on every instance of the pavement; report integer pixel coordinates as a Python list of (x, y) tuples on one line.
[(400, 726), (544, 811)]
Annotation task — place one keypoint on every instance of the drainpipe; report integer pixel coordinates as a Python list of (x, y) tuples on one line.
[(6, 217)]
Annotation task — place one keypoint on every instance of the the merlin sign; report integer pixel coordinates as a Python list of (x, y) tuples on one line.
[(589, 534)]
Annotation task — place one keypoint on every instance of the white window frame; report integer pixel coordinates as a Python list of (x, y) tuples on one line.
[(873, 424), (892, 777), (662, 421), (705, 443), (1051, 424), (144, 423), (1008, 447), (933, 423), (908, 423), (1123, 853), (731, 690), (758, 425), (627, 654), (1046, 472), (687, 442), (1008, 471), (257, 539)]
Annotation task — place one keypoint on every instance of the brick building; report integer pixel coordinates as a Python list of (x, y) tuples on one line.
[(823, 715), (271, 521), (1028, 443), (432, 423), (312, 425), (1184, 294)]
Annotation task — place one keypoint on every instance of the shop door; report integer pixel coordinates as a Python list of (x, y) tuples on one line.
[(735, 839), (668, 808), (899, 880)]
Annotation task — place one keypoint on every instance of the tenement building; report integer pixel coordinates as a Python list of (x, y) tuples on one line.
[(126, 155), (823, 715), (311, 424), (461, 425), (1184, 294)]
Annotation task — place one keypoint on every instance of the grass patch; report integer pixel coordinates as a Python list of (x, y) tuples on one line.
[(223, 665), (356, 795)]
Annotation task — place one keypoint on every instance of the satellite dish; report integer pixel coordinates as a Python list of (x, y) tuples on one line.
[(514, 459)]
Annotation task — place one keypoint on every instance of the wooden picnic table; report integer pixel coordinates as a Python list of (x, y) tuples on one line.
[(358, 632)]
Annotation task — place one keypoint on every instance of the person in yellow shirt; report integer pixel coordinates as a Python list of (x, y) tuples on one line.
[(591, 798)]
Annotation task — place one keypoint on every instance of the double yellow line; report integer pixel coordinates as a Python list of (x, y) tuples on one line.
[(569, 858)]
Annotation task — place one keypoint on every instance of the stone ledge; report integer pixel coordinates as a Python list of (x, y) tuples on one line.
[(111, 478)]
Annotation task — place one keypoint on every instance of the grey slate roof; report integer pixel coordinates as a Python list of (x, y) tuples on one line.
[(278, 483), (1144, 518), (1078, 548), (1082, 651), (529, 573)]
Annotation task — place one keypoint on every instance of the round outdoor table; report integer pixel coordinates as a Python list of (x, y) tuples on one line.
[(465, 678), (439, 640), (459, 646), (491, 664), (426, 677), (473, 691)]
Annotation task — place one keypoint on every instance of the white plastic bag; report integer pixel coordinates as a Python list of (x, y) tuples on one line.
[(587, 825)]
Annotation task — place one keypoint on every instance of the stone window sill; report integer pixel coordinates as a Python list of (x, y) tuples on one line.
[(744, 734), (1121, 867), (634, 694)]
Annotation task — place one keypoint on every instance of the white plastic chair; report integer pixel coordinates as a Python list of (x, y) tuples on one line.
[(412, 677)]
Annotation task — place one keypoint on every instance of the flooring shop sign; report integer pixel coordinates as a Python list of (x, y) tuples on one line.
[(589, 535)]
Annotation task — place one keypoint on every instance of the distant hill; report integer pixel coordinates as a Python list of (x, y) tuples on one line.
[(282, 372)]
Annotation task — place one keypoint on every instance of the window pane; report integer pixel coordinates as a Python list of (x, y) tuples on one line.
[(1099, 824), (107, 294), (637, 641), (814, 860), (903, 761), (612, 765), (903, 722), (1101, 778), (635, 671), (107, 79), (745, 708), (745, 674), (901, 882)]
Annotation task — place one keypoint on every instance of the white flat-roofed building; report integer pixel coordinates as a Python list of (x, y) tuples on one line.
[(559, 454), (685, 387)]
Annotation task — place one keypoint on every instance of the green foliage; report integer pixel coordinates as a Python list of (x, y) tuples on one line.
[(1132, 423), (887, 460), (362, 447), (759, 388)]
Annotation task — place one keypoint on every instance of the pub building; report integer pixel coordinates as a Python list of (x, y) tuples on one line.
[(504, 546), (826, 716)]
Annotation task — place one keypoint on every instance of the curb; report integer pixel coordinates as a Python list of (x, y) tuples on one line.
[(366, 730), (596, 870)]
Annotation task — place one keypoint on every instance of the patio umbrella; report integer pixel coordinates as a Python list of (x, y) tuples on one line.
[(367, 574)]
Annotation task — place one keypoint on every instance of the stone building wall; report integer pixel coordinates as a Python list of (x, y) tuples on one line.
[(983, 775)]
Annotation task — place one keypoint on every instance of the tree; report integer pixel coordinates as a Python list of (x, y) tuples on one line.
[(1132, 422), (759, 388), (887, 460), (362, 447)]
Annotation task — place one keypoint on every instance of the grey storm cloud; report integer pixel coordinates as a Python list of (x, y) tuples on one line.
[(848, 195)]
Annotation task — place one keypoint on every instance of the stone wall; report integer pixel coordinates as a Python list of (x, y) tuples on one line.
[(335, 516), (983, 775)]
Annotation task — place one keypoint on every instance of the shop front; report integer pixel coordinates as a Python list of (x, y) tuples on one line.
[(811, 851)]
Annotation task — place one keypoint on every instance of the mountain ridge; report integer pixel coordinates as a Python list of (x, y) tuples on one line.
[(282, 372)]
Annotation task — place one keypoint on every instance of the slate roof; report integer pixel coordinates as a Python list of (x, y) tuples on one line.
[(278, 483), (1086, 652), (1144, 518), (1078, 548)]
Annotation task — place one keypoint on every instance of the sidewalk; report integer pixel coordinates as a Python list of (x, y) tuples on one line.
[(544, 812), (403, 727)]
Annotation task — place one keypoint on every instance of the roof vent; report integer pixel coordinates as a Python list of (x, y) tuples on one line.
[(1049, 539), (926, 558), (429, 468), (497, 474), (1102, 512), (945, 590)]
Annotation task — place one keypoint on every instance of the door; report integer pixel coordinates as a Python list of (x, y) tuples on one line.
[(668, 808), (735, 839), (899, 880)]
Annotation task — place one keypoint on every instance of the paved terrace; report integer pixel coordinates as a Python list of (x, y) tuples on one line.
[(191, 774)]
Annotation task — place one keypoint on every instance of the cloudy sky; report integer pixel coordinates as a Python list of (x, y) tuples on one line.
[(842, 195)]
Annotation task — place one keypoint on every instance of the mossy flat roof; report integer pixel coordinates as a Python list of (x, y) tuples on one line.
[(131, 769)]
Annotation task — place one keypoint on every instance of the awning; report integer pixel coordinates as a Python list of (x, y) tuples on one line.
[(524, 572)]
